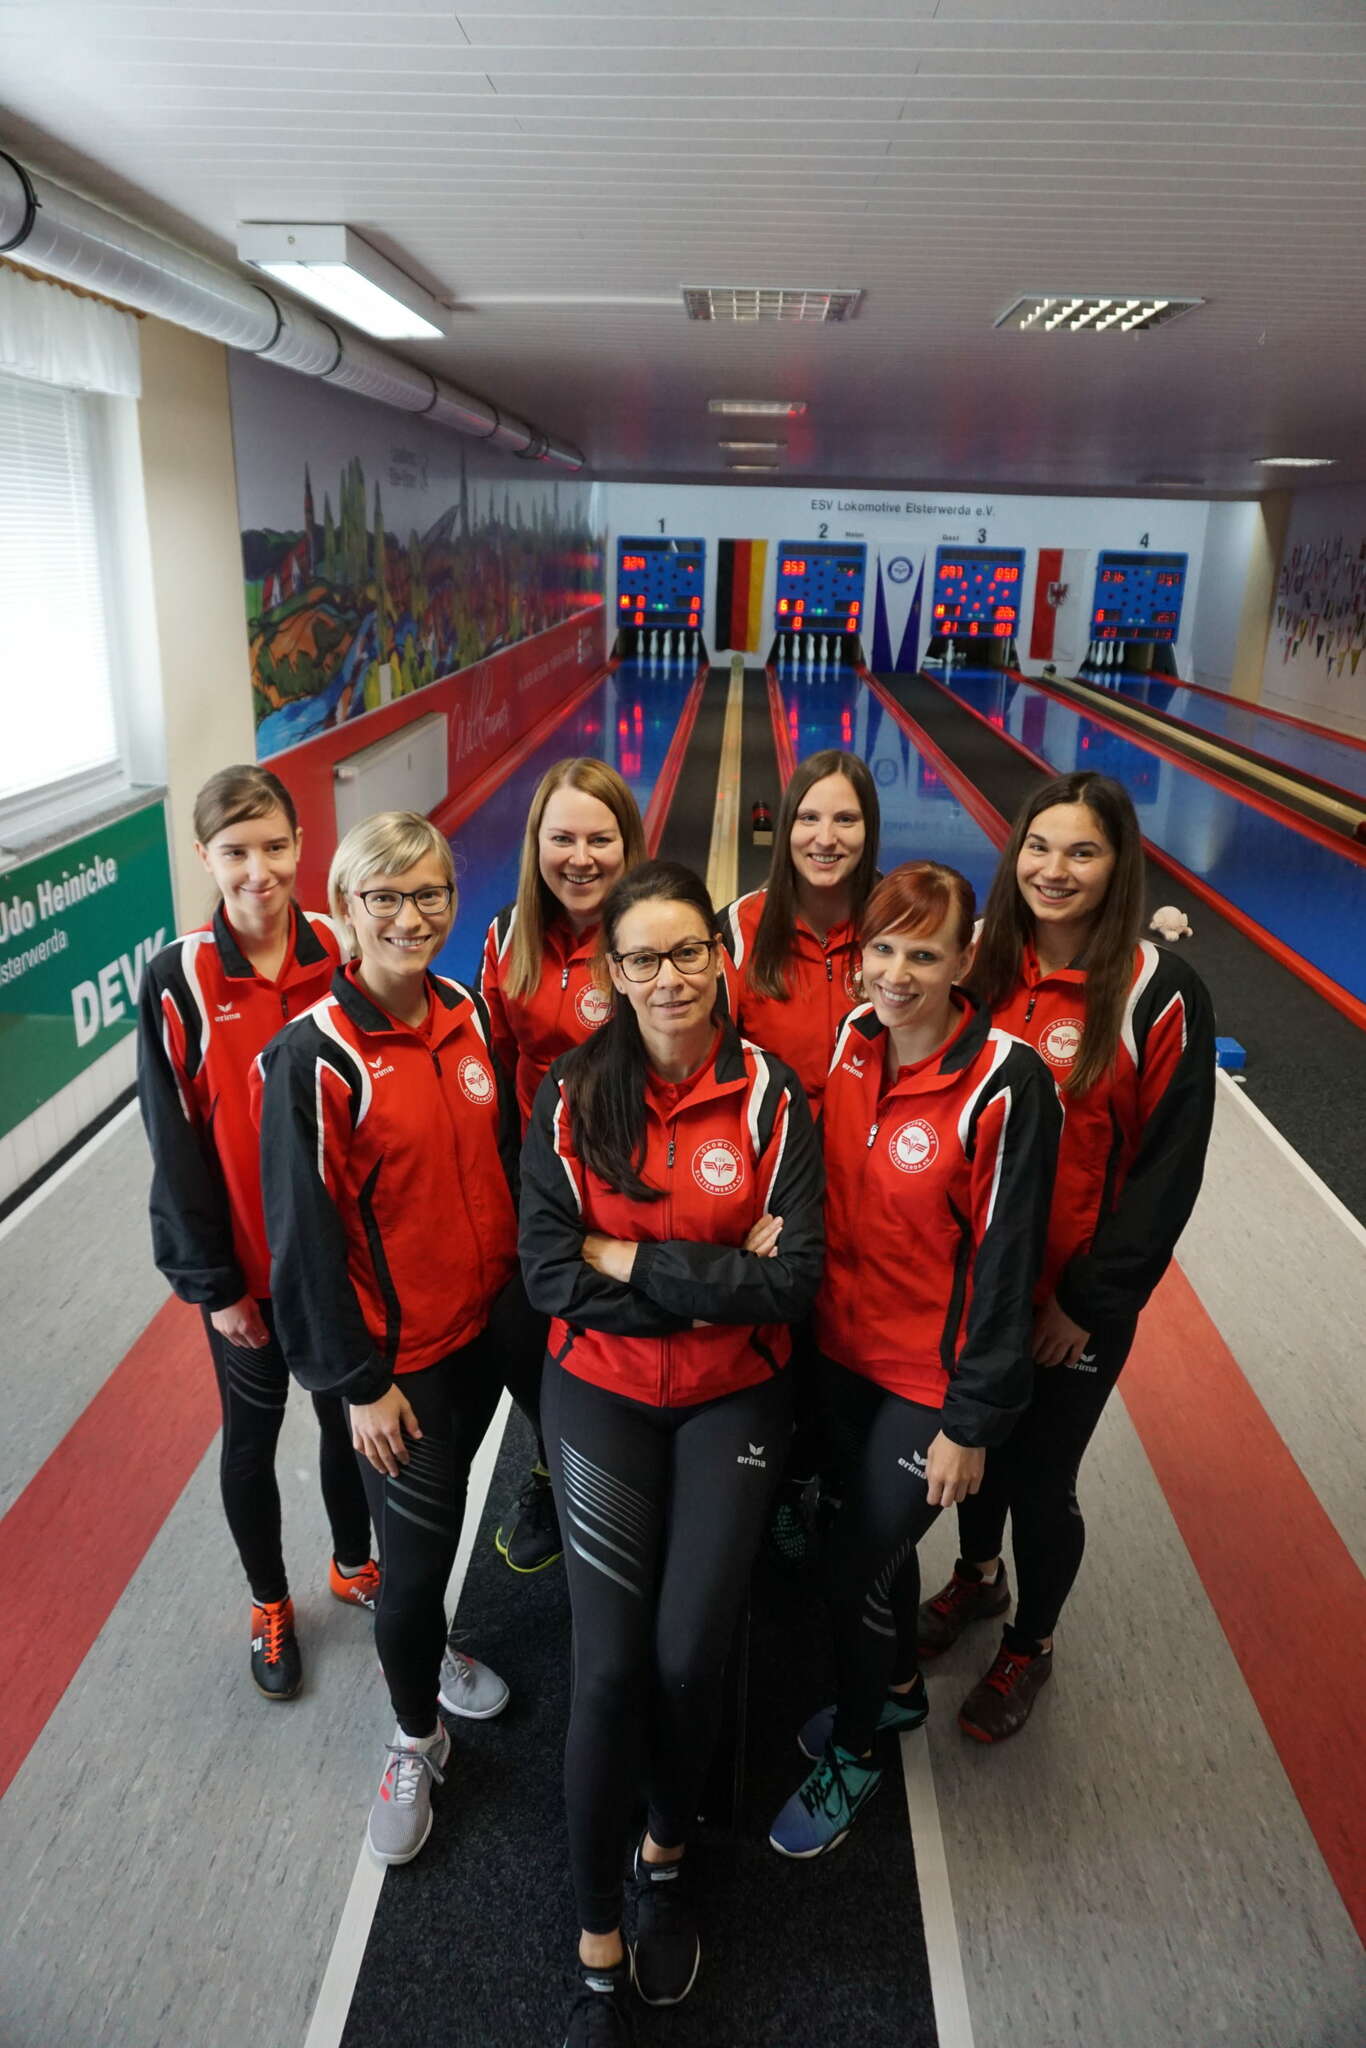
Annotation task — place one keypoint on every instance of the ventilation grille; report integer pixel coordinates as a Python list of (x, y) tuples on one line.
[(1071, 313), (754, 302)]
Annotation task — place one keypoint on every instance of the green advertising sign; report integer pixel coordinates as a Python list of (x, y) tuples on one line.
[(77, 927)]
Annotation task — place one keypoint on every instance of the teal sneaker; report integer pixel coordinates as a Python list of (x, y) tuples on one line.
[(900, 1711), (825, 1806)]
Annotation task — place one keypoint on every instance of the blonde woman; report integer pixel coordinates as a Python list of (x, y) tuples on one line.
[(388, 1143), (583, 832)]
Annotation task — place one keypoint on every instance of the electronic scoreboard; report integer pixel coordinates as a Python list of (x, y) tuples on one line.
[(660, 582), (977, 593), (819, 587), (1138, 597)]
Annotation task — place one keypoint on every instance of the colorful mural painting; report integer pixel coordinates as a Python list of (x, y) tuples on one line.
[(381, 554), (1321, 603)]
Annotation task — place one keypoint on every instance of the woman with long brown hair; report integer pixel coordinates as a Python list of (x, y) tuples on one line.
[(209, 1003), (1128, 1032), (583, 831)]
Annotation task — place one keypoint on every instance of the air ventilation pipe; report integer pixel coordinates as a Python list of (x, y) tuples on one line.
[(56, 231)]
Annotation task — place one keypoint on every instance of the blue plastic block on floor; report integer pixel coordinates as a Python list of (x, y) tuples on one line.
[(1229, 1055)]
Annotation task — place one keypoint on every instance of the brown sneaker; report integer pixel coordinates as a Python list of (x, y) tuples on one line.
[(1001, 1703), (943, 1619)]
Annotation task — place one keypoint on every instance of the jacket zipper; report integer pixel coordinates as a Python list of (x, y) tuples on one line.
[(1029, 1006), (564, 977), (665, 1342)]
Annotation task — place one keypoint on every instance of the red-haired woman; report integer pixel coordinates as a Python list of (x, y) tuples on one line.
[(940, 1140), (1129, 1034), (583, 832)]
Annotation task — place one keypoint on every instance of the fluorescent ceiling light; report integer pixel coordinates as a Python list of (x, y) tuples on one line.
[(752, 465), (338, 270), (1296, 461), (1092, 313), (779, 408), (763, 447), (750, 302)]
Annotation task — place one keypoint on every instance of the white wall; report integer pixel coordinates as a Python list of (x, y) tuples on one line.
[(1315, 665), (1230, 536), (908, 527)]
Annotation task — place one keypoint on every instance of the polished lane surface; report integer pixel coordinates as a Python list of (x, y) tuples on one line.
[(1333, 761), (1306, 894)]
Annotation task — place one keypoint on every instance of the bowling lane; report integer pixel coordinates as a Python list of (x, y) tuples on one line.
[(628, 721), (922, 819), (1307, 895), (1333, 761)]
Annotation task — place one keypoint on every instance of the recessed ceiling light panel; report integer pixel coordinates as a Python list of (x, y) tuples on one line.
[(1092, 313), (1296, 461), (751, 302), (754, 447), (752, 465), (339, 271), (777, 408)]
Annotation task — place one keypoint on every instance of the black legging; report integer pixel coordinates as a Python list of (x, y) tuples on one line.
[(523, 1342), (662, 1510), (878, 1444), (419, 1515), (253, 1388), (1033, 1479)]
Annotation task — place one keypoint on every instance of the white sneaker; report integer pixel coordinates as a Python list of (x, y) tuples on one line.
[(469, 1688), (401, 1816)]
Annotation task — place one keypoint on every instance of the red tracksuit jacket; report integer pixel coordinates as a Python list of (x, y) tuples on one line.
[(1133, 1147), (204, 1014), (801, 1029), (738, 1144), (938, 1185), (563, 1008), (388, 1160)]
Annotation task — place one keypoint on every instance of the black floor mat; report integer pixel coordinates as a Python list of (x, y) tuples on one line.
[(473, 1943)]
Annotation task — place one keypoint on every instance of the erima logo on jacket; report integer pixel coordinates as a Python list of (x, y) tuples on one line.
[(755, 1457)]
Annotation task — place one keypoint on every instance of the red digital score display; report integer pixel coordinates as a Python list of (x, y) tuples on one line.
[(1007, 575), (631, 562), (794, 567), (1113, 576), (1166, 581), (949, 572)]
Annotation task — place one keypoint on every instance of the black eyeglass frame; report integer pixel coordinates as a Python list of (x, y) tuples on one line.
[(709, 945), (408, 896)]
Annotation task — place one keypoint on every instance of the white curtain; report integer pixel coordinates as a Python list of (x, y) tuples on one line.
[(54, 337)]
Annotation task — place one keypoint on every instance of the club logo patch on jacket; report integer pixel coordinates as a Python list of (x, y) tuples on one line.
[(476, 1082), (592, 1007), (719, 1167), (913, 1145), (1060, 1042)]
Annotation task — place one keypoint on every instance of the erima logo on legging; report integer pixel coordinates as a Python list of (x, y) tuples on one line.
[(756, 1457), (915, 1464)]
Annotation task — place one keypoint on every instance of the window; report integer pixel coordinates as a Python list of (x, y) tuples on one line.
[(55, 668)]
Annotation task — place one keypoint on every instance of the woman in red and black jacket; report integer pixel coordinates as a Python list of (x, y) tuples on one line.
[(388, 1151), (941, 1138), (791, 965), (671, 1226), (1128, 1032), (583, 832), (209, 1002)]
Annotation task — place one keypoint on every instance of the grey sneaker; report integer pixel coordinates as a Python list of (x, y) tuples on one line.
[(468, 1688), (401, 1817)]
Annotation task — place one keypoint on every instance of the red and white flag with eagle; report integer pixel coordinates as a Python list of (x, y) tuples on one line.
[(1060, 628)]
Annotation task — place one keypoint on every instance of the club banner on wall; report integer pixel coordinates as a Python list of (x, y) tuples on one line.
[(77, 928), (740, 570)]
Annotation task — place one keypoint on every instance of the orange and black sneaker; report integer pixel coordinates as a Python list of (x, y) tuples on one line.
[(358, 1589), (276, 1666), (966, 1598), (1001, 1703)]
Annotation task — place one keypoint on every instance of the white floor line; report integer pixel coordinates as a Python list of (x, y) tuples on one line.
[(952, 2020), (67, 1168), (353, 1929), (1325, 1193)]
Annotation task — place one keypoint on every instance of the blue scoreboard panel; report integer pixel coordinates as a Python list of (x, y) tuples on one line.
[(820, 586), (660, 581), (977, 593), (1138, 597)]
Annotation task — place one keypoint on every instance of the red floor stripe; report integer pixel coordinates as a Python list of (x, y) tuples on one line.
[(1280, 1578), (82, 1526), (657, 814)]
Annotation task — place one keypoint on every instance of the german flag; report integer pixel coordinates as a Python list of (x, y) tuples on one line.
[(740, 566)]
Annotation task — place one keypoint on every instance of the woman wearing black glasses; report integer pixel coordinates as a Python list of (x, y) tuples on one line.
[(671, 1226), (388, 1154)]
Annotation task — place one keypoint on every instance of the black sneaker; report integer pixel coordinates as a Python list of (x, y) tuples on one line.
[(965, 1599), (666, 1951), (276, 1666), (787, 1538), (597, 2018), (529, 1535)]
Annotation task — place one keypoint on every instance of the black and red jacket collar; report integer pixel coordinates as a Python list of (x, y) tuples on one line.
[(970, 1035), (306, 949), (366, 1014)]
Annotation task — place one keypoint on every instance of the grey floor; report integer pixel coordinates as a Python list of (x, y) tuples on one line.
[(1133, 1872)]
